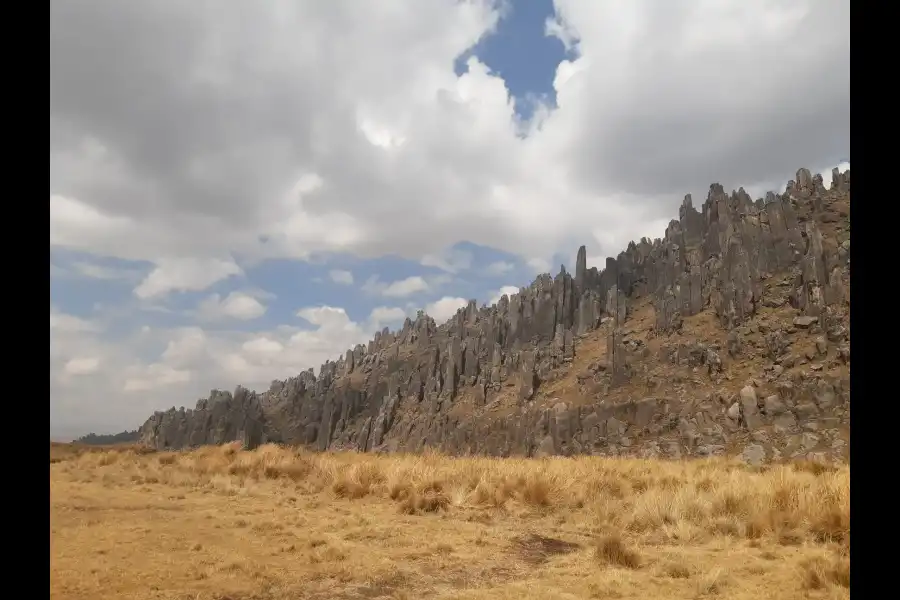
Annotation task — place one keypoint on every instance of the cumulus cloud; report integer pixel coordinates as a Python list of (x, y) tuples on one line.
[(397, 289), (686, 100), (239, 140), (443, 309), (185, 274), (452, 261), (386, 315), (95, 271), (156, 376), (506, 290), (237, 305), (498, 268), (61, 322), (340, 276), (82, 366)]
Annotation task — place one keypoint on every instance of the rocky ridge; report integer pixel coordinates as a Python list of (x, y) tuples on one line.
[(728, 335)]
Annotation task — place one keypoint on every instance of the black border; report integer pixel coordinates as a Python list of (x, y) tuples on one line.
[(865, 570)]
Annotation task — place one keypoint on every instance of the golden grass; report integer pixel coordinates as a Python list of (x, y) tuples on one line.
[(277, 523)]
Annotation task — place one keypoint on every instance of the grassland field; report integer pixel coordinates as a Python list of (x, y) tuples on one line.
[(220, 523)]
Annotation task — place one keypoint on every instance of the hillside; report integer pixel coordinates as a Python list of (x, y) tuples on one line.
[(730, 335), (123, 437)]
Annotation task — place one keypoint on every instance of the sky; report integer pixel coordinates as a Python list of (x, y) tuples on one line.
[(238, 194)]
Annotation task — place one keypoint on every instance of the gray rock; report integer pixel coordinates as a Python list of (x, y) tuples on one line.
[(749, 408), (809, 441), (821, 346), (805, 321), (785, 423), (753, 454), (774, 406), (545, 448), (806, 410), (734, 411), (710, 450), (760, 437)]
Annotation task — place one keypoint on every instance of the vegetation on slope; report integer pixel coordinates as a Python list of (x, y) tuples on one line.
[(108, 439)]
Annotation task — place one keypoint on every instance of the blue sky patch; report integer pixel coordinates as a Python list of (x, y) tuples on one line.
[(522, 54)]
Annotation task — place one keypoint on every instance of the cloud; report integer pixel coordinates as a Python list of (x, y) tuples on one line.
[(237, 305), (61, 322), (154, 377), (82, 366), (341, 277), (506, 290), (185, 274), (199, 160), (499, 268), (441, 310), (452, 261), (539, 265), (405, 287), (94, 271), (397, 289), (325, 316), (384, 315)]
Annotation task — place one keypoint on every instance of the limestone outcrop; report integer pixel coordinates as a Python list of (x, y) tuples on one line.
[(610, 361)]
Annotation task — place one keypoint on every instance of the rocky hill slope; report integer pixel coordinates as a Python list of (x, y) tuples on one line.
[(123, 437), (729, 335)]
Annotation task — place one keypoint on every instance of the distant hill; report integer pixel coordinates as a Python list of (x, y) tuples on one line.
[(125, 437)]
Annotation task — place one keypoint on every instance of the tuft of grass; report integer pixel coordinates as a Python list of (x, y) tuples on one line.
[(815, 467), (712, 582), (611, 550), (424, 501), (677, 570), (826, 572)]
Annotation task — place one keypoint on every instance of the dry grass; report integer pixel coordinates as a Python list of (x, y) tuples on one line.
[(611, 550), (277, 523)]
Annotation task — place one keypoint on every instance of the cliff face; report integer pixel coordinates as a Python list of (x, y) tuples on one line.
[(730, 334)]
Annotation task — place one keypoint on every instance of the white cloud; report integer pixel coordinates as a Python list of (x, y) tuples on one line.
[(384, 315), (82, 366), (263, 345), (237, 305), (441, 310), (396, 289), (507, 290), (185, 274), (326, 317), (62, 322), (154, 377), (452, 261), (103, 272), (81, 226), (187, 347), (499, 268), (405, 287), (539, 265), (163, 182), (341, 277)]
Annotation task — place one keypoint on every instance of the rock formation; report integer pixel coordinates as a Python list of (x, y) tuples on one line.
[(730, 332)]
